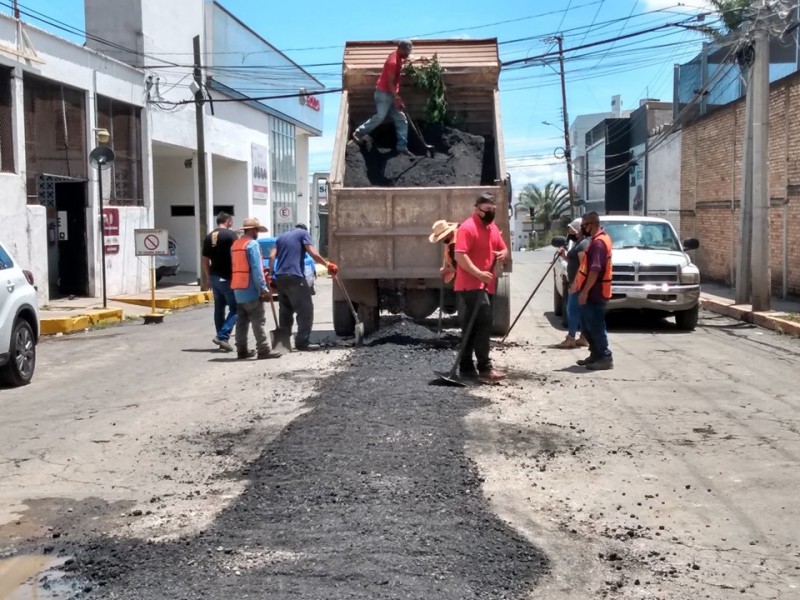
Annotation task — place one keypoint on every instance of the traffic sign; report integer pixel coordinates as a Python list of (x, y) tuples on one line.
[(284, 214), (151, 242)]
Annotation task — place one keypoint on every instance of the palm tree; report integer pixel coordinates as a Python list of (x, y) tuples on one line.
[(732, 13), (549, 203)]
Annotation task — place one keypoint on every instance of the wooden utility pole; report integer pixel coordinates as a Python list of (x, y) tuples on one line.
[(744, 254), (567, 144), (760, 83), (202, 186)]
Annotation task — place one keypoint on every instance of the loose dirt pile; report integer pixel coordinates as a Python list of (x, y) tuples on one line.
[(460, 158)]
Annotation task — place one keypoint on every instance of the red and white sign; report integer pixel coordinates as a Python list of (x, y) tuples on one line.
[(260, 165), (283, 214), (151, 242), (111, 230), (311, 102)]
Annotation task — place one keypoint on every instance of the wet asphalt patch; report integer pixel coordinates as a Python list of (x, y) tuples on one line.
[(367, 495)]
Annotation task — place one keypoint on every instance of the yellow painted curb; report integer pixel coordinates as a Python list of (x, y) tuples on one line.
[(170, 303), (51, 326)]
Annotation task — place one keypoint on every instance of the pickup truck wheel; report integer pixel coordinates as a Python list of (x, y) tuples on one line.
[(502, 307), (558, 300), (22, 356), (344, 324), (686, 320)]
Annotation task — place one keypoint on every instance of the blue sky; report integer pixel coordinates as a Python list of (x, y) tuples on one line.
[(314, 31)]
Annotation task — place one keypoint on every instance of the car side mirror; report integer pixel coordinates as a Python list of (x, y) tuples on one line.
[(691, 244), (558, 241)]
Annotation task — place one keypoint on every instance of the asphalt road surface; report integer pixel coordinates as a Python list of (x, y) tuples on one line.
[(143, 463)]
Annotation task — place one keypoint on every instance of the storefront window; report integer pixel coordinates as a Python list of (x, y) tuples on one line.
[(284, 176), (123, 122)]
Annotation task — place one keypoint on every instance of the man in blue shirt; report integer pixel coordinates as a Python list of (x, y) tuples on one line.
[(250, 288), (294, 293)]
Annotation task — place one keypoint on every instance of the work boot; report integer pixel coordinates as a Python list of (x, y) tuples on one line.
[(244, 354), (223, 344), (604, 364), (307, 348), (268, 354), (468, 373), (567, 344), (492, 376), (587, 361), (406, 152), (582, 342)]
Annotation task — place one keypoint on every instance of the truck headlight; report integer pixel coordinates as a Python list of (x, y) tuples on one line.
[(690, 275)]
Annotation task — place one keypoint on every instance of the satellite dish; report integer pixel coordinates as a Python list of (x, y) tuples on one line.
[(101, 157)]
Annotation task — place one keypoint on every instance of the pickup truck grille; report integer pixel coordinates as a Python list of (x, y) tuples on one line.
[(630, 274)]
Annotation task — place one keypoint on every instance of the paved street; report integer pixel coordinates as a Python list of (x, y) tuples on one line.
[(158, 467)]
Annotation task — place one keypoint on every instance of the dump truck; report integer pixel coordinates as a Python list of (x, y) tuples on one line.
[(379, 235)]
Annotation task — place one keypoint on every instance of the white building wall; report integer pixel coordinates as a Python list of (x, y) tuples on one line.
[(174, 185), (25, 226), (662, 180), (303, 197)]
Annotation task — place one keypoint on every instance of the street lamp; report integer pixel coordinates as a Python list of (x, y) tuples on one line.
[(101, 158)]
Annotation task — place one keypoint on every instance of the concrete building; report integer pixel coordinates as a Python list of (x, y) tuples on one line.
[(256, 151), (54, 96)]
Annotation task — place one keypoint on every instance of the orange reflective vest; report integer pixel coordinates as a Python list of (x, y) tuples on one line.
[(605, 274), (240, 278)]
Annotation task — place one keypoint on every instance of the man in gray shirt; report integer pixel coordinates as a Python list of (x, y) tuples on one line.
[(577, 247)]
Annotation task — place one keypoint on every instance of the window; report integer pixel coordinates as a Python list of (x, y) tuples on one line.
[(123, 122), (226, 208), (6, 123), (284, 174), (181, 210), (633, 234), (5, 260), (55, 132)]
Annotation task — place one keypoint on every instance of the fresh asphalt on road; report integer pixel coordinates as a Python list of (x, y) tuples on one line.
[(165, 469)]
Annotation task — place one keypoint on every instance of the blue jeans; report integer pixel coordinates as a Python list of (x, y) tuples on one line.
[(593, 327), (384, 107), (223, 296), (573, 315)]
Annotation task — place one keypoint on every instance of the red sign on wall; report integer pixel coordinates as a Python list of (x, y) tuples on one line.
[(312, 102), (111, 230)]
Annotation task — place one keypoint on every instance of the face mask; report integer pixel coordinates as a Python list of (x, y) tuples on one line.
[(487, 216), (585, 232)]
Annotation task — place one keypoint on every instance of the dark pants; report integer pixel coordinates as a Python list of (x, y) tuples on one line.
[(294, 297), (223, 296), (478, 341), (251, 314), (593, 327)]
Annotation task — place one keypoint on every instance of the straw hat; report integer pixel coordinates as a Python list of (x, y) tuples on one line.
[(252, 223), (441, 229)]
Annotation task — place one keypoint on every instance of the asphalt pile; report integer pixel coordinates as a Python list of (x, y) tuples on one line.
[(369, 494), (459, 159)]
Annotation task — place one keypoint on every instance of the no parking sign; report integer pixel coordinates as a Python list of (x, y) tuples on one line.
[(283, 214)]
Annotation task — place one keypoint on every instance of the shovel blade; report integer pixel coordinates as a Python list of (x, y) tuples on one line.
[(359, 334), (281, 340), (445, 378)]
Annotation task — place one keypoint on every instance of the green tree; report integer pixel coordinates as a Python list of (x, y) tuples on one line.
[(732, 13), (549, 203)]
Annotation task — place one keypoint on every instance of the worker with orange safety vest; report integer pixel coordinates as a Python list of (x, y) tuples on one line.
[(593, 284), (250, 288)]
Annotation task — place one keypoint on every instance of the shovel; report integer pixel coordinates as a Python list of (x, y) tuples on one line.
[(280, 339), (524, 306), (359, 328), (428, 147)]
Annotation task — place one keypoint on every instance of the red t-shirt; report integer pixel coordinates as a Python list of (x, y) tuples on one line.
[(393, 65), (478, 242)]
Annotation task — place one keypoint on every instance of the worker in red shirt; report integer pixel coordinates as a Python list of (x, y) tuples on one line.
[(479, 246), (387, 100)]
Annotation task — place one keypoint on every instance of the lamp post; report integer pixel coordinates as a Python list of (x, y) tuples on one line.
[(101, 158)]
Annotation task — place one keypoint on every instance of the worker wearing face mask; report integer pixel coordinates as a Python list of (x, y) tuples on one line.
[(479, 246)]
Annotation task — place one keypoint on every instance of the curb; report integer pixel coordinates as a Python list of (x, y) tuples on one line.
[(51, 326), (170, 303), (767, 320)]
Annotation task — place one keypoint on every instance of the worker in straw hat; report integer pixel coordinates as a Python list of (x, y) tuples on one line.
[(250, 287), (445, 233)]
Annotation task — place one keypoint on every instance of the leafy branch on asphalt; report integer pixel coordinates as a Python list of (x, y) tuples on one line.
[(430, 78)]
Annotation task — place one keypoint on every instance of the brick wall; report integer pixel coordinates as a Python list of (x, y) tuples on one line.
[(711, 186)]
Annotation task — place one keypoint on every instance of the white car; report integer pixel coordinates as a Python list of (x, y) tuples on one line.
[(651, 270), (19, 322)]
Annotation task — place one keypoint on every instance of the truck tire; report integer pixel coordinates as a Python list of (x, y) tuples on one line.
[(421, 303), (502, 307), (370, 316), (344, 325), (558, 301), (686, 320)]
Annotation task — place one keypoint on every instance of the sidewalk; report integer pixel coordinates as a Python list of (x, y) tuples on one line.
[(784, 316), (69, 315)]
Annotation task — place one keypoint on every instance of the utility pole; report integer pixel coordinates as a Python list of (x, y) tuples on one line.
[(567, 145), (760, 83), (743, 273), (202, 187)]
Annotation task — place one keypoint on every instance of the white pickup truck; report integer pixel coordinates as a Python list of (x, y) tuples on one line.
[(651, 270)]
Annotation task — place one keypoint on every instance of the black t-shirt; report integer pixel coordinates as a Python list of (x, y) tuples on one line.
[(573, 260), (217, 248)]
